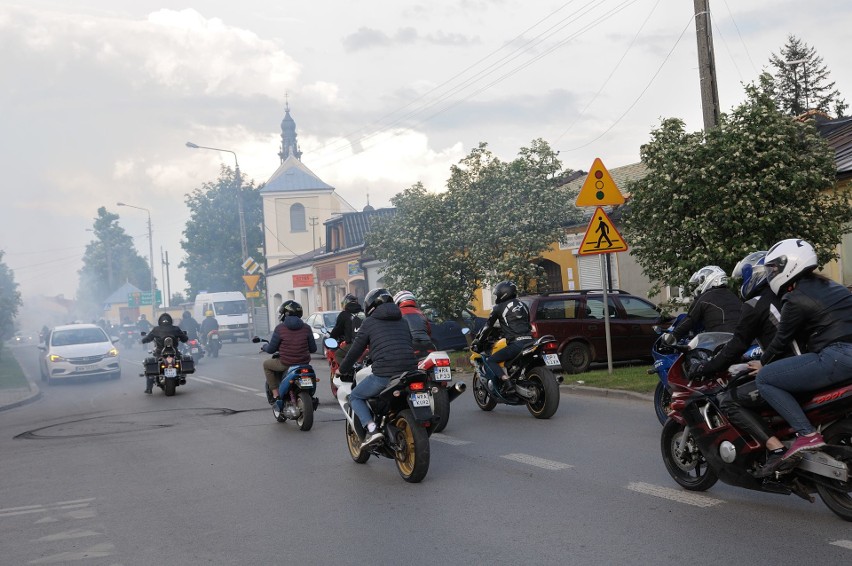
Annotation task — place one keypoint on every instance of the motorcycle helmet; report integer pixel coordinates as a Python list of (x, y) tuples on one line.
[(348, 299), (788, 260), (165, 319), (208, 313), (289, 308), (406, 297), (142, 317), (505, 291), (186, 315), (375, 298), (752, 272), (706, 278)]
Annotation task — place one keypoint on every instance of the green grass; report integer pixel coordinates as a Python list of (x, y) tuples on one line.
[(625, 377), (11, 375)]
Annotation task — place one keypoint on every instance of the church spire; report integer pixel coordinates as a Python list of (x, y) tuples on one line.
[(289, 145)]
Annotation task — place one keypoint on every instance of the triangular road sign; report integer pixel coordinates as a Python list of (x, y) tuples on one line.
[(599, 189), (251, 281), (601, 236)]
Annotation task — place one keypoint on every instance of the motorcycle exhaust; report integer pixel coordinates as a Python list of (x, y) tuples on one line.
[(456, 389)]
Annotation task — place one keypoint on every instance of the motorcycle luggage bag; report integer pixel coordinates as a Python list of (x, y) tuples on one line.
[(187, 364), (151, 366)]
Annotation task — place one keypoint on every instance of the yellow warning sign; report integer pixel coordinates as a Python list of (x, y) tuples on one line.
[(601, 236), (251, 281), (599, 189)]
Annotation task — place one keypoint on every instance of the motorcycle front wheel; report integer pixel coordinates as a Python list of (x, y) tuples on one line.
[(442, 408), (547, 399), (412, 450), (480, 394), (662, 400), (834, 493), (305, 405), (353, 443), (684, 461)]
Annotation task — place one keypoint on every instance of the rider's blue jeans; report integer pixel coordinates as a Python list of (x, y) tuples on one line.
[(504, 355), (778, 380), (366, 388)]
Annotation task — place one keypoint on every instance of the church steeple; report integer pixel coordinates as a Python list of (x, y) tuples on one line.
[(289, 145)]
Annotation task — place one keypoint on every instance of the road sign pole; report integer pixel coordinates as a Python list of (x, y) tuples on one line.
[(606, 316)]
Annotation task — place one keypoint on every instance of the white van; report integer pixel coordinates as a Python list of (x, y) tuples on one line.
[(231, 312)]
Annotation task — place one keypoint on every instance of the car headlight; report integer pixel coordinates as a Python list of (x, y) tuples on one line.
[(55, 358), (112, 352)]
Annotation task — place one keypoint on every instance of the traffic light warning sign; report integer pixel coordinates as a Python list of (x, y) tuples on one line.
[(599, 189), (601, 236)]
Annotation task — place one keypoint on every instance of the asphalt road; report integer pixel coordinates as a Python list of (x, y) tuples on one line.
[(99, 473)]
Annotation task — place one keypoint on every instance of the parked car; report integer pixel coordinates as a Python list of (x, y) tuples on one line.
[(576, 320), (447, 334), (321, 324), (78, 350)]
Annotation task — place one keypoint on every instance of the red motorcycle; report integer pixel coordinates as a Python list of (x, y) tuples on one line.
[(701, 446)]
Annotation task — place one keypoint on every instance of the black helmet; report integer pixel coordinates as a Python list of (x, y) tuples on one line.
[(165, 319), (374, 298), (349, 298), (186, 315), (289, 308), (505, 291)]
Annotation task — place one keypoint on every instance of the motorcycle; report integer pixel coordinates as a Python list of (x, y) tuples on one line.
[(214, 343), (532, 381), (700, 445), (439, 377), (127, 334), (402, 412), (193, 349), (300, 403), (169, 369)]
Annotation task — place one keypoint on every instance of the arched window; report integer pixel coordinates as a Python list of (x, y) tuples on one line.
[(297, 218)]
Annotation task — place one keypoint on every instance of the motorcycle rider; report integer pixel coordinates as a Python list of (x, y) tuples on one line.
[(389, 339), (421, 330), (208, 325), (346, 325), (513, 317), (716, 308), (189, 325), (143, 324), (819, 309), (164, 329), (294, 342)]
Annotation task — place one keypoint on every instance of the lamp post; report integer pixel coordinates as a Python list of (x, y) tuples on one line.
[(150, 252)]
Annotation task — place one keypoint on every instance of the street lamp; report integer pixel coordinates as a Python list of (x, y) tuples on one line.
[(239, 194), (150, 251)]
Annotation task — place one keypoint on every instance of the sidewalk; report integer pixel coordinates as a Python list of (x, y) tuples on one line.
[(15, 397)]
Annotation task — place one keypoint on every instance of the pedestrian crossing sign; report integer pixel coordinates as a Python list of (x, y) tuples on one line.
[(599, 189), (601, 236)]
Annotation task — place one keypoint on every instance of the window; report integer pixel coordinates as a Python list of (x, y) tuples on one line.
[(637, 308), (594, 308), (297, 218), (557, 310)]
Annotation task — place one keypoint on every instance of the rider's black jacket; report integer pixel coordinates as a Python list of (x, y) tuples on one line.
[(514, 318), (160, 333), (347, 323), (815, 308), (209, 323), (716, 310), (389, 339)]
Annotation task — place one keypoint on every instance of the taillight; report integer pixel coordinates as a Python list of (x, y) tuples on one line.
[(550, 346), (417, 386), (442, 362), (304, 370)]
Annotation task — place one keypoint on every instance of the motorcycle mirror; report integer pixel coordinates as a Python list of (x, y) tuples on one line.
[(330, 343), (143, 333), (465, 330), (256, 339)]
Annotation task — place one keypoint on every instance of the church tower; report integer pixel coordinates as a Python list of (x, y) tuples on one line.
[(289, 145)]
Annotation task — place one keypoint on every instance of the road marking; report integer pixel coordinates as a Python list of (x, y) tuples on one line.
[(452, 441), (677, 495), (73, 533), (843, 544), (61, 505), (97, 551), (537, 462), (241, 388)]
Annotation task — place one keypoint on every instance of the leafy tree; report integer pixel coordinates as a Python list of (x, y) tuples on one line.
[(212, 241), (711, 198), (109, 261), (177, 298), (10, 301), (804, 85)]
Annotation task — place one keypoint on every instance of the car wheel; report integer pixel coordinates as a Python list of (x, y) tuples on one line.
[(576, 358)]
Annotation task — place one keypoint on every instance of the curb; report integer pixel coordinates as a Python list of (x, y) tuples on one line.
[(34, 395)]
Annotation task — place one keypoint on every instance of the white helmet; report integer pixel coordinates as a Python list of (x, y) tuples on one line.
[(787, 260), (706, 278)]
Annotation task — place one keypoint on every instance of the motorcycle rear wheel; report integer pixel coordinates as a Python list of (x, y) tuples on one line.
[(662, 400), (353, 443), (480, 394), (169, 387), (836, 494), (442, 409), (305, 405), (412, 454), (547, 402), (690, 470)]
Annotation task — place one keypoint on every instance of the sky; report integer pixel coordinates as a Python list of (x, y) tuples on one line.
[(99, 97)]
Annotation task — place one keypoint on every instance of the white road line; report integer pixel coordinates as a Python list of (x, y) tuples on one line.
[(61, 505), (452, 441), (537, 462), (242, 388), (97, 551), (73, 533), (847, 544), (677, 495)]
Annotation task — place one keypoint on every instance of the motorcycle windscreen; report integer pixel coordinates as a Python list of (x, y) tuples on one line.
[(710, 340)]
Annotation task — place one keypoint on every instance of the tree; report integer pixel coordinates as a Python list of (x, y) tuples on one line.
[(801, 81), (109, 261), (711, 198), (10, 301), (212, 241), (177, 298)]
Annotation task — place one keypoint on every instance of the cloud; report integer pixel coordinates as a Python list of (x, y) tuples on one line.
[(367, 38)]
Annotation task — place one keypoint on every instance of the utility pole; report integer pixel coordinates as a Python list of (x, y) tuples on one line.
[(314, 222), (166, 276), (706, 65)]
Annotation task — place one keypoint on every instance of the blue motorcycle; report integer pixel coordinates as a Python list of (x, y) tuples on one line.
[(298, 403)]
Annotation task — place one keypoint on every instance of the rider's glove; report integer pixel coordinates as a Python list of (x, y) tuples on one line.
[(697, 371), (346, 377), (475, 346)]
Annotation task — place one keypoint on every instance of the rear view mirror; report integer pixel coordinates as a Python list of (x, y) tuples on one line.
[(255, 339), (330, 343)]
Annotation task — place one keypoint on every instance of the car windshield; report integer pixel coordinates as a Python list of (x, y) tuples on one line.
[(230, 307), (78, 336), (329, 319)]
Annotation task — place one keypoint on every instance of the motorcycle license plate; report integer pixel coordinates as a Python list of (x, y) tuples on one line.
[(443, 373), (551, 360), (195, 350), (170, 372), (420, 400), (306, 382)]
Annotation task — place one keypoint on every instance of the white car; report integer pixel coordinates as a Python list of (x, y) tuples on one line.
[(79, 350)]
